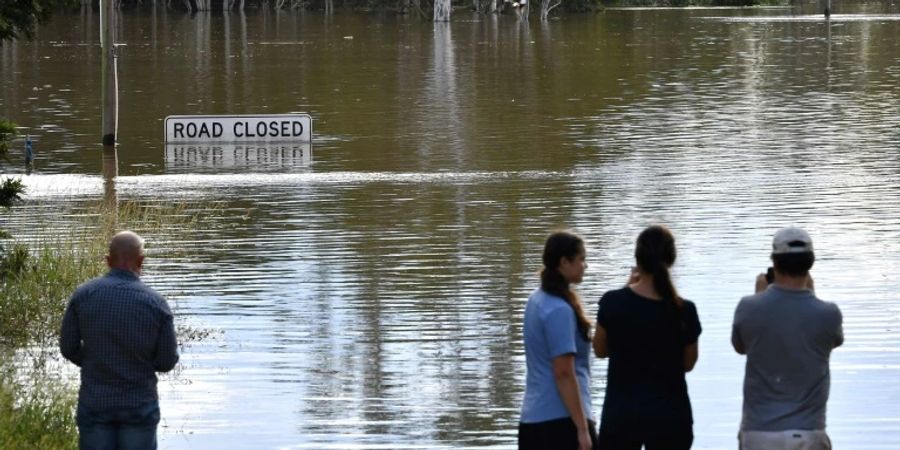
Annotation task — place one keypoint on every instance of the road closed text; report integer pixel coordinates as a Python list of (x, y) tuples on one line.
[(283, 128), (238, 128)]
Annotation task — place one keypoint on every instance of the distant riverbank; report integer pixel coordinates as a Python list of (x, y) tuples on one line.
[(424, 8)]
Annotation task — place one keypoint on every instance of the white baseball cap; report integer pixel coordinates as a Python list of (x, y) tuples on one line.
[(791, 240)]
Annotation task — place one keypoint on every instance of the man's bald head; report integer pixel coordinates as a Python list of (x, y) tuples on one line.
[(126, 252)]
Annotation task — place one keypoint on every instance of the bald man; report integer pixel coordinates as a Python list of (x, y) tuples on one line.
[(120, 332)]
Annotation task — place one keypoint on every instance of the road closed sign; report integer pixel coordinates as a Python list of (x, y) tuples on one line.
[(237, 129)]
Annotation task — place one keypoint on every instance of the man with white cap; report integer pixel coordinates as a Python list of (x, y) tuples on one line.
[(787, 334)]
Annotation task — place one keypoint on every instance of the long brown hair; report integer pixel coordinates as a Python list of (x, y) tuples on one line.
[(564, 244), (655, 254)]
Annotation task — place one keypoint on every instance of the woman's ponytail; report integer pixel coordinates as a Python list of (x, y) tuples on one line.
[(655, 254)]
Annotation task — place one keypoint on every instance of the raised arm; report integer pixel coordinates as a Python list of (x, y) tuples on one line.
[(838, 319), (736, 340)]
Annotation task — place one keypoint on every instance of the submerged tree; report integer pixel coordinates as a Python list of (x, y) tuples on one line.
[(442, 10), (546, 7)]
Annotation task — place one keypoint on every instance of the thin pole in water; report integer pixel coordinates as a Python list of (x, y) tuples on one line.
[(110, 112), (29, 150), (29, 155)]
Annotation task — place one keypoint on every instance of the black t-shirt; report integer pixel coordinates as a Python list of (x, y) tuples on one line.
[(646, 392)]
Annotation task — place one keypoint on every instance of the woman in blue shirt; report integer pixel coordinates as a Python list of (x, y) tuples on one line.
[(556, 411), (650, 335)]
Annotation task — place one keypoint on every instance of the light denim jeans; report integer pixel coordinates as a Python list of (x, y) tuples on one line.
[(133, 429), (784, 440)]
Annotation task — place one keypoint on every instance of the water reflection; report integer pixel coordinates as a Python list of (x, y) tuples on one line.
[(110, 172), (217, 158)]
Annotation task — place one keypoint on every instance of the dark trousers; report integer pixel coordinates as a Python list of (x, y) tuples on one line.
[(133, 429), (559, 434), (659, 441)]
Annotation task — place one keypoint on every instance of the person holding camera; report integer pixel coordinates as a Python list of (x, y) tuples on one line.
[(787, 334), (649, 333)]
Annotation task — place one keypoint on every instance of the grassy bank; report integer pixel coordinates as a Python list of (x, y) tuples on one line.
[(36, 415), (36, 408), (37, 399)]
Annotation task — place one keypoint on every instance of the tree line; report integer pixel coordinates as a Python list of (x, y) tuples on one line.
[(18, 18), (424, 7)]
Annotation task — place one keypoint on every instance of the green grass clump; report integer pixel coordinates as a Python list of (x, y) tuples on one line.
[(37, 277), (39, 281), (39, 416)]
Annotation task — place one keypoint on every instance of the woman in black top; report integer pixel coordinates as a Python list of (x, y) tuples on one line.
[(650, 335)]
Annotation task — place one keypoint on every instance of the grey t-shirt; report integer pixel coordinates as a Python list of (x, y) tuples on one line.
[(787, 336)]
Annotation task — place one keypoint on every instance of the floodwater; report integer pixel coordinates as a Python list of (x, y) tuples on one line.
[(368, 291)]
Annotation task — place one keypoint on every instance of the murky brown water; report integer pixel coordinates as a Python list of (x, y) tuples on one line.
[(371, 294)]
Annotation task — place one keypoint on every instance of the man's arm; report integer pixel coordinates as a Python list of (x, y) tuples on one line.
[(761, 283), (736, 340), (166, 345), (839, 327), (70, 335)]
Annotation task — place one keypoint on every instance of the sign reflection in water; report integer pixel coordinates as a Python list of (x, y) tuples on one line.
[(249, 157)]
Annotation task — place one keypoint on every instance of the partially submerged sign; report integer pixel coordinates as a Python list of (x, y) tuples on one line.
[(237, 129)]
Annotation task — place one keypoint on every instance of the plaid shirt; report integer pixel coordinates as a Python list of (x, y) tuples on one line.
[(120, 332)]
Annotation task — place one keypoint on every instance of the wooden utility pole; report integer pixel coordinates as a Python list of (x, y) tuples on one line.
[(110, 83)]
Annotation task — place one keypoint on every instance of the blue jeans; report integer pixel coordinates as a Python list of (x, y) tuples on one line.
[(131, 429)]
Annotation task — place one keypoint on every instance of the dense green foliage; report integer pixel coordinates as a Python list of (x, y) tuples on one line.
[(19, 17), (37, 282), (10, 190), (38, 416), (7, 132)]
